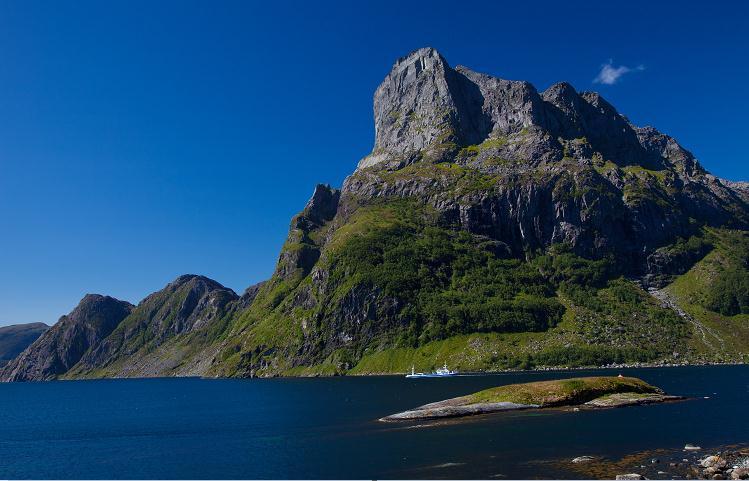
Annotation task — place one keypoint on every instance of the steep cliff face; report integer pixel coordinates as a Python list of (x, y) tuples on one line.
[(63, 345), (479, 199), (564, 166)]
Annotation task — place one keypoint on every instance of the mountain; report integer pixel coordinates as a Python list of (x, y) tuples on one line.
[(163, 331), (492, 226), (61, 346), (16, 338), (105, 337)]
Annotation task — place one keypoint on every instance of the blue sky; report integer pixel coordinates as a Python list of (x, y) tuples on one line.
[(143, 140)]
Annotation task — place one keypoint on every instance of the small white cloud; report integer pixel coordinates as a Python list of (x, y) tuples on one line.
[(609, 75)]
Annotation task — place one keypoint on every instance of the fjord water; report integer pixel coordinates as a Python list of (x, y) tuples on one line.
[(328, 428)]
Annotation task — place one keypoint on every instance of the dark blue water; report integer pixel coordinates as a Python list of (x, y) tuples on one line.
[(327, 428)]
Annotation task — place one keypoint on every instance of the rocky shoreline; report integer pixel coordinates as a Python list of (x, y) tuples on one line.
[(636, 365), (690, 462)]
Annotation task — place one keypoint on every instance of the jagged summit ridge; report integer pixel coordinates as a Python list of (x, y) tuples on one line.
[(425, 109), (416, 87)]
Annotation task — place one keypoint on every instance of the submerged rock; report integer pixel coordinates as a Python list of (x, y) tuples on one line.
[(583, 459), (630, 399), (452, 408)]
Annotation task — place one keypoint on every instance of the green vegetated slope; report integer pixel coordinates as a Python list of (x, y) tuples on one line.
[(427, 294), (610, 319), (562, 392), (171, 332), (714, 293)]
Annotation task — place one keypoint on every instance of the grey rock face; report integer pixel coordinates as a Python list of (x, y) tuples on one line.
[(740, 189), (567, 166), (424, 104), (63, 345), (322, 206), (301, 252), (413, 106), (663, 265)]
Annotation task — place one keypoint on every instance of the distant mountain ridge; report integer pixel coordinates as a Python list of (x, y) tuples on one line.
[(17, 337), (492, 226)]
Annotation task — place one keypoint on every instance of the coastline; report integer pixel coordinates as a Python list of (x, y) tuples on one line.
[(401, 374), (551, 369)]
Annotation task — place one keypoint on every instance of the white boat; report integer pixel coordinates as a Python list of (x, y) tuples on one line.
[(440, 372)]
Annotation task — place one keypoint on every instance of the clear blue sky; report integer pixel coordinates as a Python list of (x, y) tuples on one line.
[(143, 140)]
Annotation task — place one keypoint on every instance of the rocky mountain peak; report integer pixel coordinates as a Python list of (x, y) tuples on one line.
[(413, 106), (426, 58), (100, 309), (186, 278), (426, 110), (323, 204), (192, 291), (63, 345)]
